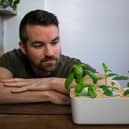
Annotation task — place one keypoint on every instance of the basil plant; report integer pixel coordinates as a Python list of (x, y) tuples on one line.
[(84, 88)]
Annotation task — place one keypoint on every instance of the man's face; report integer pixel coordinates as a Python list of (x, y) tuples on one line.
[(43, 47)]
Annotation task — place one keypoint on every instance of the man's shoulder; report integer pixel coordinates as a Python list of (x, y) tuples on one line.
[(68, 59), (65, 66), (16, 63), (11, 58), (11, 54), (68, 63)]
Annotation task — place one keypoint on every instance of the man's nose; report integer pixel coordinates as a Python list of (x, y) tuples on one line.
[(48, 51)]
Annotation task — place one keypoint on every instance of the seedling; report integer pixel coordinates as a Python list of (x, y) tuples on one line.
[(84, 88), (12, 3)]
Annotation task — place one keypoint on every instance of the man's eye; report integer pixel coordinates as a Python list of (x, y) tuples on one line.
[(37, 45), (54, 42)]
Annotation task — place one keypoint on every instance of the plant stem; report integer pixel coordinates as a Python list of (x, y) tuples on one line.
[(105, 77)]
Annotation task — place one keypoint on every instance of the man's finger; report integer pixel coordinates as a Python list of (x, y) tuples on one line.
[(12, 80), (19, 90), (27, 88), (15, 84)]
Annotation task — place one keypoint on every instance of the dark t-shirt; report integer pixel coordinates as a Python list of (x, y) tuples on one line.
[(19, 65)]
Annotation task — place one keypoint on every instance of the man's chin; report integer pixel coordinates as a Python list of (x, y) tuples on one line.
[(49, 68)]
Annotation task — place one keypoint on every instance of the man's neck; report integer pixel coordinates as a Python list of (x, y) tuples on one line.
[(40, 73)]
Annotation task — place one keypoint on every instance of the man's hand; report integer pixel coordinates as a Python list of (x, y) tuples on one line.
[(41, 86), (58, 98), (22, 85)]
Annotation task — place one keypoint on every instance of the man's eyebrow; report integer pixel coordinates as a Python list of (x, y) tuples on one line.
[(53, 40), (57, 38), (36, 41)]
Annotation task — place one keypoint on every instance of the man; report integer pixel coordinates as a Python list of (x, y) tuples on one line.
[(36, 71)]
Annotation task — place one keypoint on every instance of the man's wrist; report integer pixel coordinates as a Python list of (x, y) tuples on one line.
[(52, 83)]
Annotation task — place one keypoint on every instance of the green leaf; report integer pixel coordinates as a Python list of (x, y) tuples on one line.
[(100, 78), (69, 80), (88, 85), (128, 84), (112, 74), (113, 83), (82, 65), (14, 4), (108, 92), (103, 87), (91, 75), (78, 88), (78, 71), (79, 80), (126, 92), (105, 68), (120, 78), (78, 94), (92, 92)]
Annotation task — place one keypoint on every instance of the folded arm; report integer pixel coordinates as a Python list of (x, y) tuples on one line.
[(18, 90), (7, 97)]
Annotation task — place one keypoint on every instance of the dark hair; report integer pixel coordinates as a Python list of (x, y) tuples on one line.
[(36, 17)]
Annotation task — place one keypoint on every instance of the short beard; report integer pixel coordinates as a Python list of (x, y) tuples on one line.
[(51, 67)]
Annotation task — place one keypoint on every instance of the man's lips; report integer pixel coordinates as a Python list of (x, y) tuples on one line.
[(49, 61)]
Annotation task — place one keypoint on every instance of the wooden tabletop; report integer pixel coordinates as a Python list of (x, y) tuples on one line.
[(43, 116)]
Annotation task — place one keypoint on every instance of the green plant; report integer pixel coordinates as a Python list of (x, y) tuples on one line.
[(83, 88), (110, 90), (11, 3)]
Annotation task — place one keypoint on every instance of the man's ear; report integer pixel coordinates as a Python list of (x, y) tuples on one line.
[(22, 47)]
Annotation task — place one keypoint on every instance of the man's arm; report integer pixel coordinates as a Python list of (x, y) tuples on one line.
[(38, 84), (7, 97), (5, 73), (56, 84), (38, 90)]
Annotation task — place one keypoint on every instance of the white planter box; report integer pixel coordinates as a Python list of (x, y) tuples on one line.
[(113, 110)]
